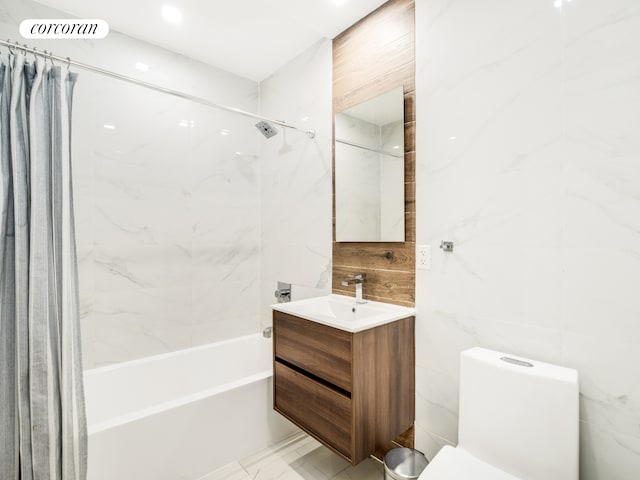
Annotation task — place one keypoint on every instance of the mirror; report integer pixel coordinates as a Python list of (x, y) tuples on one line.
[(369, 170)]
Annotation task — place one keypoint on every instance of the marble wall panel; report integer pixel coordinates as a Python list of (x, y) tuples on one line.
[(295, 233), (528, 159), (167, 198)]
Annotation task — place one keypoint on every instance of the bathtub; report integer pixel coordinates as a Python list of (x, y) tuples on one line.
[(181, 415)]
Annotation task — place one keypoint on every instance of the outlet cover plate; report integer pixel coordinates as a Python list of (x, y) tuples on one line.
[(423, 257)]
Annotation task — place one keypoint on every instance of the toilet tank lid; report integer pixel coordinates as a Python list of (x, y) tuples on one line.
[(522, 364)]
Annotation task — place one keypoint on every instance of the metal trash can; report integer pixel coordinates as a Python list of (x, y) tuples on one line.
[(404, 464)]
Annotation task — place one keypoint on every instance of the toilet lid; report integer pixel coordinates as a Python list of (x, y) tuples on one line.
[(457, 464)]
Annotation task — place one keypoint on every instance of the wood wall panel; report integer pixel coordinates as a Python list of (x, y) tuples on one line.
[(373, 56), (380, 285), (410, 197), (409, 137), (410, 167), (387, 256), (405, 439), (410, 106), (376, 86)]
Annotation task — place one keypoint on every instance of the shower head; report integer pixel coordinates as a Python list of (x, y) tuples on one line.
[(266, 129)]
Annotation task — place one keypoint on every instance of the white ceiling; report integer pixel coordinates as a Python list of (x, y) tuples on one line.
[(251, 38)]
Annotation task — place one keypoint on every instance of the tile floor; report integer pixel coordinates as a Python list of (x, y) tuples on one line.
[(297, 458)]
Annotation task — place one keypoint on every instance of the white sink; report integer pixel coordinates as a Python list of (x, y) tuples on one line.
[(344, 313)]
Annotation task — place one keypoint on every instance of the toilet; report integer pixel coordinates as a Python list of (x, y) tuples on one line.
[(518, 421)]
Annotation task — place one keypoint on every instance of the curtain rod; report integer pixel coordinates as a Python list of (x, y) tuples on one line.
[(311, 133)]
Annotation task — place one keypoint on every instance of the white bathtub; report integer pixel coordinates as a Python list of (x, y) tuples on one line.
[(181, 415)]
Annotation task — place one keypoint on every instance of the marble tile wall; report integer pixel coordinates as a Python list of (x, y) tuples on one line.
[(529, 160), (167, 202), (296, 190)]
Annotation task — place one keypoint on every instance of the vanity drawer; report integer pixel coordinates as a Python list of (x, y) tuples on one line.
[(318, 409), (318, 349)]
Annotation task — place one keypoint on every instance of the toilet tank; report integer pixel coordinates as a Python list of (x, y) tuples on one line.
[(519, 415)]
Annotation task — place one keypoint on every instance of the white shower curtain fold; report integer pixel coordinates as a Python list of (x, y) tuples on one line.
[(42, 414)]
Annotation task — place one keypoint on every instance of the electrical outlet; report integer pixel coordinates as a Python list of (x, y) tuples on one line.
[(423, 257)]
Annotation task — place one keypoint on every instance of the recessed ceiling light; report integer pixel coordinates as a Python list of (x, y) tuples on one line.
[(171, 14), (109, 127), (305, 119), (396, 147), (225, 132), (143, 67)]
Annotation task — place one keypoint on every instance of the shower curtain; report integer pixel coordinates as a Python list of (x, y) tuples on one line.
[(42, 415)]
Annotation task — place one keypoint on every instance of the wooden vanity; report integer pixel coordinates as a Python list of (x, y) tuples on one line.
[(354, 392)]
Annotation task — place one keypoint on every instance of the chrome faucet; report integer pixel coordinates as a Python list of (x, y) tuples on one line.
[(283, 293), (358, 279)]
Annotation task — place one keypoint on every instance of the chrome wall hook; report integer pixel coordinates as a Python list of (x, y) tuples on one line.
[(446, 246)]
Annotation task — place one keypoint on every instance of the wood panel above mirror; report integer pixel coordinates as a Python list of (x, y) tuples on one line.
[(373, 56)]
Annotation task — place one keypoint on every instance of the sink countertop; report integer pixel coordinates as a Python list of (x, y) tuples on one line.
[(342, 312)]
